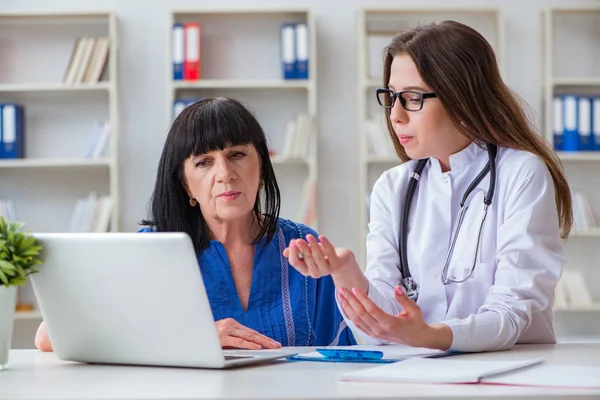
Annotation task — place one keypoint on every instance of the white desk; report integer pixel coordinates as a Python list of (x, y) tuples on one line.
[(36, 375)]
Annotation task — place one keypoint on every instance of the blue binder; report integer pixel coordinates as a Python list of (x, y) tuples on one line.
[(178, 52), (557, 123), (302, 51), (1, 141), (13, 131), (584, 124), (570, 140), (596, 122), (288, 50)]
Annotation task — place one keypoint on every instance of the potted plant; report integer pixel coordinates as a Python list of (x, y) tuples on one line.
[(19, 254)]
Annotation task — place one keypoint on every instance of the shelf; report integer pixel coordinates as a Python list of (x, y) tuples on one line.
[(55, 163), (243, 84), (575, 10), (242, 10), (579, 155), (592, 308), (428, 10), (575, 81), (590, 232), (27, 315), (53, 87)]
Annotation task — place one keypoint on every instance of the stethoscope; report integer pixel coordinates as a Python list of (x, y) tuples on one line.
[(410, 287)]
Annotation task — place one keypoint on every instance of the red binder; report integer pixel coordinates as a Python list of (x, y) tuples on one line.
[(191, 63)]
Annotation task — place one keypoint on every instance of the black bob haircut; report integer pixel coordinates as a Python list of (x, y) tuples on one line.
[(210, 124)]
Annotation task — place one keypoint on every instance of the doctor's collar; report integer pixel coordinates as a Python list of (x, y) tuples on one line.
[(461, 160)]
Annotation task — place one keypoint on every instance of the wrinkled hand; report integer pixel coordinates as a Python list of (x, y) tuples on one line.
[(408, 327), (317, 258), (233, 334), (42, 340)]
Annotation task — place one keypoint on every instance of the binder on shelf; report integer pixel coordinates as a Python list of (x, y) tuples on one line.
[(178, 52), (288, 50), (88, 51), (191, 64), (75, 61), (13, 131), (98, 60), (92, 214), (302, 51), (1, 135), (570, 141), (180, 104), (573, 289), (596, 122), (557, 123), (584, 116), (98, 140), (88, 60)]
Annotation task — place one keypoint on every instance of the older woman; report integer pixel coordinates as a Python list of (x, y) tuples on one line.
[(216, 183)]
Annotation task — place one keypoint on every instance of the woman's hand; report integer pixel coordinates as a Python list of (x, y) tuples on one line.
[(42, 341), (408, 327), (233, 334), (317, 258)]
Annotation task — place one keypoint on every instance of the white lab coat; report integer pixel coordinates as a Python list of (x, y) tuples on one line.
[(509, 298)]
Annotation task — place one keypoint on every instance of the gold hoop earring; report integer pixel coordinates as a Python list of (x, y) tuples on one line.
[(193, 202)]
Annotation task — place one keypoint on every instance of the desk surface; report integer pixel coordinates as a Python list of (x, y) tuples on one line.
[(36, 375)]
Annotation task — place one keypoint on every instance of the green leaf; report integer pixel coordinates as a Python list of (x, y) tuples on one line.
[(9, 272), (3, 278), (26, 242), (33, 251), (6, 265), (18, 281)]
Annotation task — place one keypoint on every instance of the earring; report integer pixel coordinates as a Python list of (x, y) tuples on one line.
[(193, 202), (261, 184)]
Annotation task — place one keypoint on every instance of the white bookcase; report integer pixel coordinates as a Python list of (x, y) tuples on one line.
[(240, 58), (387, 22), (45, 184), (570, 65)]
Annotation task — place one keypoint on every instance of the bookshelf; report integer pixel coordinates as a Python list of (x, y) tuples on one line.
[(375, 28), (240, 58), (572, 33), (54, 173)]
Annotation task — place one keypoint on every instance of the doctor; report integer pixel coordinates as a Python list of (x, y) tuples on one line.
[(464, 247)]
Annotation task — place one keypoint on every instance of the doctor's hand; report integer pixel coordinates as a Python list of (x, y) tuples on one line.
[(232, 334), (408, 327), (42, 340), (317, 258)]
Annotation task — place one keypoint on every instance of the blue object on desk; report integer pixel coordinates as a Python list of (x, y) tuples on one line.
[(346, 356)]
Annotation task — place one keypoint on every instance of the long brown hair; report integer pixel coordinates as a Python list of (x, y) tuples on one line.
[(460, 67)]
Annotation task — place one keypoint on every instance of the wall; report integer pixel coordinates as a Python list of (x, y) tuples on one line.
[(142, 70)]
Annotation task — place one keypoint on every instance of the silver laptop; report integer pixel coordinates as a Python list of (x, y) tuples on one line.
[(130, 298)]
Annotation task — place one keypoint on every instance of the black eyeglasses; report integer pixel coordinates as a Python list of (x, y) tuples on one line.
[(409, 99)]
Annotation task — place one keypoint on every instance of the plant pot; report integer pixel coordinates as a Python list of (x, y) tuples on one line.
[(8, 300)]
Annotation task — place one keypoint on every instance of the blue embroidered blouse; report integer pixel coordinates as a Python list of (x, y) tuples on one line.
[(284, 305)]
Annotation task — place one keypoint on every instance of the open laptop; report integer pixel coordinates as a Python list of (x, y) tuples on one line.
[(130, 298)]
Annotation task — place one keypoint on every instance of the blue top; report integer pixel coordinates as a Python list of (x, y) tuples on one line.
[(284, 305)]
